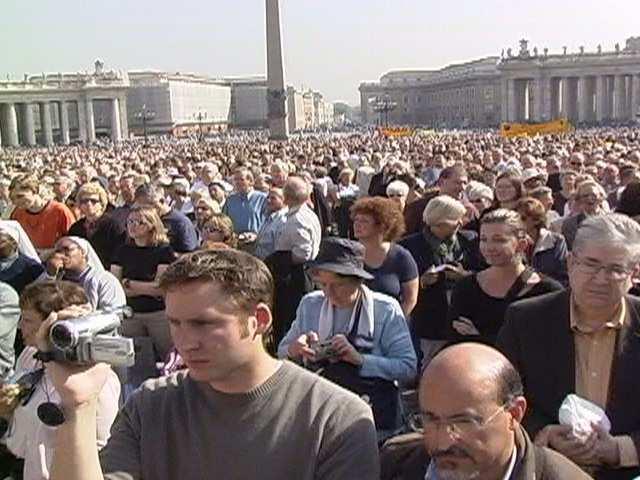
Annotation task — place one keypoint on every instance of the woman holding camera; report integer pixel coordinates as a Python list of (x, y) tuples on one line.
[(355, 337), (27, 436)]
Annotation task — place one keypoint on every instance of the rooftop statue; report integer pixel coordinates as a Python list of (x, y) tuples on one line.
[(99, 67)]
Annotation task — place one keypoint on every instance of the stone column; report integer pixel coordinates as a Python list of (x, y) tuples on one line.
[(601, 99), (28, 124), (82, 121), (116, 131), (566, 97), (45, 124), (64, 122), (276, 93), (124, 123), (10, 131), (90, 121), (542, 100), (583, 99), (635, 96), (504, 104), (618, 97), (512, 101)]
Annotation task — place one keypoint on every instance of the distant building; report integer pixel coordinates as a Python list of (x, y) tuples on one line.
[(181, 103), (597, 87), (466, 94), (79, 107)]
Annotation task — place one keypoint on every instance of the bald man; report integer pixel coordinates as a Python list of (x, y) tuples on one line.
[(471, 406)]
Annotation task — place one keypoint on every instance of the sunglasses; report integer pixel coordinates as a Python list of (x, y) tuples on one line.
[(93, 201), (135, 223)]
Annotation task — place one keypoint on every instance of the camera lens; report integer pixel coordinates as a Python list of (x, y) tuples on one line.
[(61, 337)]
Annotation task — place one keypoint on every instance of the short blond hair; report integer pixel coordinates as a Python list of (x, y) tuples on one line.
[(25, 181), (443, 207), (93, 188)]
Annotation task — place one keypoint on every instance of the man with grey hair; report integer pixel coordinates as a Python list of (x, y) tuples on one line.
[(584, 341), (298, 243), (590, 200)]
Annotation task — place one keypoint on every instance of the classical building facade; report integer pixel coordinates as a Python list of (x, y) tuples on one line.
[(59, 108), (585, 87), (180, 103), (62, 108), (528, 86), (466, 94)]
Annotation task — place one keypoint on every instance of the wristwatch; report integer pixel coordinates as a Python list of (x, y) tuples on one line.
[(126, 283)]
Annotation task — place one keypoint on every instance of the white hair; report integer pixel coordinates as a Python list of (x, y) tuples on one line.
[(479, 190), (443, 207), (610, 229), (397, 187)]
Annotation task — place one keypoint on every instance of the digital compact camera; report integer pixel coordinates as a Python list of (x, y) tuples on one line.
[(91, 339)]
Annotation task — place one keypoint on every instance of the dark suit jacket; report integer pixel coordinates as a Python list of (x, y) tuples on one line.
[(538, 340), (429, 316), (413, 212), (378, 186), (570, 228)]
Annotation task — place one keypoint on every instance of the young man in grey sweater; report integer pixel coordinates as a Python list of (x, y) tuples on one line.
[(236, 414)]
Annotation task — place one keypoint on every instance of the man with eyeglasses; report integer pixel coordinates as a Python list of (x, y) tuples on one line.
[(589, 198), (471, 408), (585, 340)]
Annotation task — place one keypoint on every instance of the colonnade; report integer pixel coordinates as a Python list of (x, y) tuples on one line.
[(580, 98), (18, 125)]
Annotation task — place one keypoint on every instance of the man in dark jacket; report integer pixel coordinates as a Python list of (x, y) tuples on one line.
[(585, 341), (471, 406), (452, 182)]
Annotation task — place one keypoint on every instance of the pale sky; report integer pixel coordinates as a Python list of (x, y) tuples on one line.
[(330, 45)]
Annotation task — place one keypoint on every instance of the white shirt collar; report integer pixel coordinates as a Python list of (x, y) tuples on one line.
[(512, 465)]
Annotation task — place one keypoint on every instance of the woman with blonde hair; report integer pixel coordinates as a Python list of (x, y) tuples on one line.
[(96, 225), (479, 301), (138, 264), (219, 229), (206, 207)]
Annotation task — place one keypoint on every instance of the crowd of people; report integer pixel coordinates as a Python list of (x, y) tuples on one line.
[(319, 308)]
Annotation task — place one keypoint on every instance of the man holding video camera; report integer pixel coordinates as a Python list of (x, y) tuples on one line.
[(236, 414)]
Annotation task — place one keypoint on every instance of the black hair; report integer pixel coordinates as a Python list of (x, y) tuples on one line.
[(508, 384)]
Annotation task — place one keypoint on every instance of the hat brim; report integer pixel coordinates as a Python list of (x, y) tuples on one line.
[(341, 269)]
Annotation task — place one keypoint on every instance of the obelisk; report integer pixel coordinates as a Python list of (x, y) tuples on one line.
[(276, 92)]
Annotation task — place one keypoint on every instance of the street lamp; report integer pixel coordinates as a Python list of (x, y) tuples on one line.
[(145, 115), (383, 105), (200, 116)]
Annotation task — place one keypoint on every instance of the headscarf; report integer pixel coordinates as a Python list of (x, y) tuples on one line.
[(15, 230), (92, 257)]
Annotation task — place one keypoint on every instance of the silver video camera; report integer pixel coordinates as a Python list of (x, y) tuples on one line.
[(91, 339)]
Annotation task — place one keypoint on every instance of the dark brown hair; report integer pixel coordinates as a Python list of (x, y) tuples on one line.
[(243, 277), (532, 208), (52, 296)]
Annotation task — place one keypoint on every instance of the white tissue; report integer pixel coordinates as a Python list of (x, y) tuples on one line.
[(580, 415)]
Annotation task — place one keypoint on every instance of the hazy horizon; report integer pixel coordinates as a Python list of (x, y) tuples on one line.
[(330, 46)]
